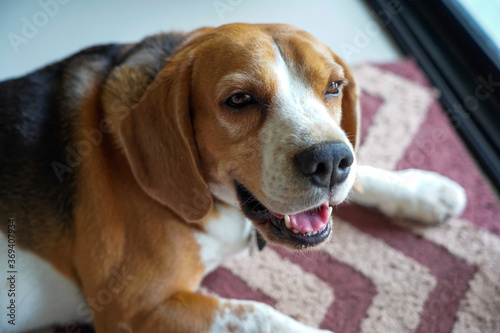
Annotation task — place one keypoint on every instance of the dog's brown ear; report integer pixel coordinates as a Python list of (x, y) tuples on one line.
[(351, 111), (158, 140)]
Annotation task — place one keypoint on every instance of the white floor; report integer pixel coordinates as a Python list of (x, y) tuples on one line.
[(34, 33)]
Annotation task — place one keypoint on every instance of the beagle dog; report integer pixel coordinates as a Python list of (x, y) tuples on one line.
[(129, 172)]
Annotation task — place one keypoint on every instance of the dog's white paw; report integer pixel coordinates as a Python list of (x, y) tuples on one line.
[(256, 317), (420, 195), (435, 198)]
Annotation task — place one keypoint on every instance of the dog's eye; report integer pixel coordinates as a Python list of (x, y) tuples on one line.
[(239, 100), (333, 89)]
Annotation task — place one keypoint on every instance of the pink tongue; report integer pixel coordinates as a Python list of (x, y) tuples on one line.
[(312, 220)]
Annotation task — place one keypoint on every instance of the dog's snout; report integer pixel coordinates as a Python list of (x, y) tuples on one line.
[(325, 165)]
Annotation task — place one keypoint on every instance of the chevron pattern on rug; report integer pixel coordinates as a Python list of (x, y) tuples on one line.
[(378, 275)]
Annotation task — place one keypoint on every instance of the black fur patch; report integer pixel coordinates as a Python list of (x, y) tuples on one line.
[(38, 113)]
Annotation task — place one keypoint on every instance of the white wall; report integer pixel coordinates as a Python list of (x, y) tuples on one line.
[(66, 26)]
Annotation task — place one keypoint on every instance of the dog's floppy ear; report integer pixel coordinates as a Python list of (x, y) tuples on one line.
[(351, 111), (158, 140)]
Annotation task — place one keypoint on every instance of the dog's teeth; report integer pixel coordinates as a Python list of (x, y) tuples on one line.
[(287, 222), (295, 231), (309, 233), (330, 209)]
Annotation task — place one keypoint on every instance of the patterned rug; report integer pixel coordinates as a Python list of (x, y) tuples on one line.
[(378, 275)]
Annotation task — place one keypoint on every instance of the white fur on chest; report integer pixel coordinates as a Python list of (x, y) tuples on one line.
[(43, 296), (224, 236)]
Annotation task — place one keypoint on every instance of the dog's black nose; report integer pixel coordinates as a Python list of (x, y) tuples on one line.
[(325, 165)]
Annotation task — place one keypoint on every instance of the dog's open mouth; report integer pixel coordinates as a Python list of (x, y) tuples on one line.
[(305, 229)]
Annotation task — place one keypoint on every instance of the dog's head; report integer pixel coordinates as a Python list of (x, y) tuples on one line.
[(263, 116)]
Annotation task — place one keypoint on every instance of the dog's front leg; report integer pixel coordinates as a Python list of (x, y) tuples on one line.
[(187, 312), (416, 194)]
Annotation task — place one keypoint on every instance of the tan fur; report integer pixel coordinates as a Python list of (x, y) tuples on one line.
[(143, 190), (137, 239)]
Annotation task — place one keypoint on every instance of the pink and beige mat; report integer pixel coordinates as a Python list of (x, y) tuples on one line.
[(378, 275), (389, 276)]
